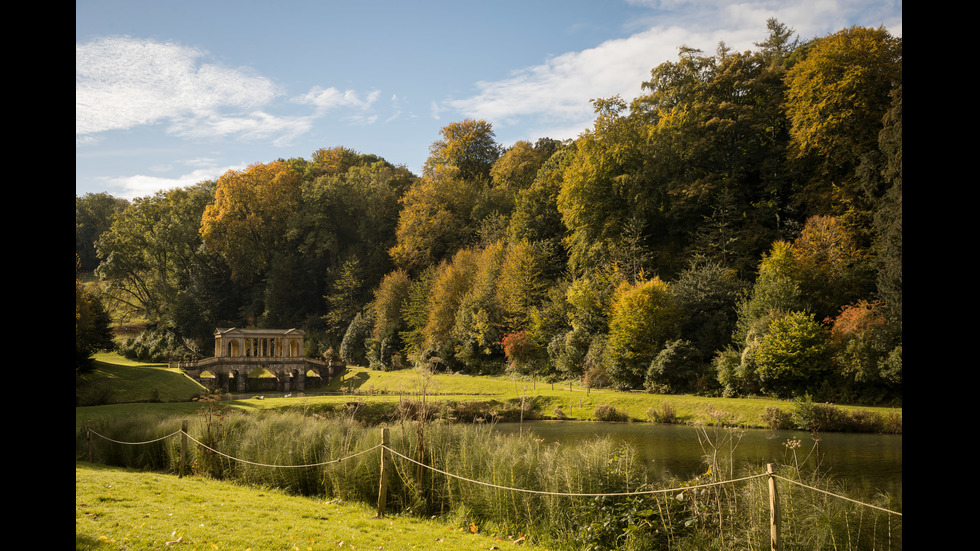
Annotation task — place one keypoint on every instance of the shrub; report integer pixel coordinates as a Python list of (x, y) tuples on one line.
[(606, 412), (663, 414), (776, 419), (815, 417), (795, 355), (677, 368), (155, 346)]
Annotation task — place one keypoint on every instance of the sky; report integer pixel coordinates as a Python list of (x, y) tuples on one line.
[(172, 93)]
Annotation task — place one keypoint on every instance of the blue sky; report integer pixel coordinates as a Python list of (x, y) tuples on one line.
[(170, 93)]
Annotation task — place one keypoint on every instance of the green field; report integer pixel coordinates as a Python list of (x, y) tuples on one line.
[(117, 508), (153, 387), (122, 509)]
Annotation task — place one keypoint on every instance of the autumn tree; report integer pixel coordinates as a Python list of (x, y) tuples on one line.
[(836, 100), (522, 284), (866, 352), (478, 328), (248, 221), (435, 220), (386, 310), (468, 146)]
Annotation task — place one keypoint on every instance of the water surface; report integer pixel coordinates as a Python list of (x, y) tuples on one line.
[(865, 464)]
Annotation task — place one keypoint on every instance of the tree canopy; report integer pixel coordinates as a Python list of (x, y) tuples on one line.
[(734, 229)]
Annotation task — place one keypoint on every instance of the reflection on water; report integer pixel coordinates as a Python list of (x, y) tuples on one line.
[(864, 464)]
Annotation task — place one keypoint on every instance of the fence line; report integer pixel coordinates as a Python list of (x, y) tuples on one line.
[(567, 494), (205, 446), (384, 446)]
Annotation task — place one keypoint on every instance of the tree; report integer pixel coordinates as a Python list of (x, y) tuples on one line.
[(386, 308), (678, 368), (518, 166), (794, 356), (863, 341), (836, 99), (830, 268), (603, 187), (521, 284), (644, 318), (707, 294), (250, 216), (478, 324), (345, 299), (152, 248), (94, 213), (468, 146), (92, 326), (451, 282), (435, 220)]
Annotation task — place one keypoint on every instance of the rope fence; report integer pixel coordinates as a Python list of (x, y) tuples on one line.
[(386, 450)]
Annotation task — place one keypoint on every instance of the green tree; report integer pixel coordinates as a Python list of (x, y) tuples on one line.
[(643, 319), (415, 313), (707, 294), (678, 368), (389, 300), (94, 213), (603, 188), (345, 299), (92, 326), (794, 357), (151, 250)]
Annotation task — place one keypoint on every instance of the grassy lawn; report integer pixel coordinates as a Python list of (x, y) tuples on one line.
[(121, 509), (132, 382)]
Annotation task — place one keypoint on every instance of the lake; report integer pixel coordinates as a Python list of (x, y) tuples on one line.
[(863, 463)]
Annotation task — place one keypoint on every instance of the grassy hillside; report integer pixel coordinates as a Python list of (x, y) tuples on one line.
[(118, 380), (462, 397)]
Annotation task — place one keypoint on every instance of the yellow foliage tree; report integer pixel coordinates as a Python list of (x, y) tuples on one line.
[(247, 222)]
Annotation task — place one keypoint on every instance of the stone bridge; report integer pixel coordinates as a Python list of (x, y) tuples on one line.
[(238, 352)]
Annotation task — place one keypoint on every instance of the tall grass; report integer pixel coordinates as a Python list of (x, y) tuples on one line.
[(291, 451)]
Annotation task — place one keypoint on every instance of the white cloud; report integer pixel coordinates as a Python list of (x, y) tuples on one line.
[(122, 83), (560, 89), (554, 97), (141, 185), (329, 98)]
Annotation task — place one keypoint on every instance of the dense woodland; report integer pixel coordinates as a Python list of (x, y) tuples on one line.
[(736, 230)]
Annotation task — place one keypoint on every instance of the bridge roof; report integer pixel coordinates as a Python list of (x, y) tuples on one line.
[(252, 332)]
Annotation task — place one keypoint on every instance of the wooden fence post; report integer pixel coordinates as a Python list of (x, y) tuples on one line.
[(774, 516), (89, 435), (383, 485), (183, 447)]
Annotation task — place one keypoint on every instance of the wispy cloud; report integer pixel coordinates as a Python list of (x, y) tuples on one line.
[(559, 91), (553, 98), (141, 185), (122, 83)]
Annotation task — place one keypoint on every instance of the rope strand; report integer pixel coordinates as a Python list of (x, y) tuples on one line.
[(522, 490)]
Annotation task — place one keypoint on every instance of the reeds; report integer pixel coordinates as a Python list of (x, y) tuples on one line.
[(316, 455)]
